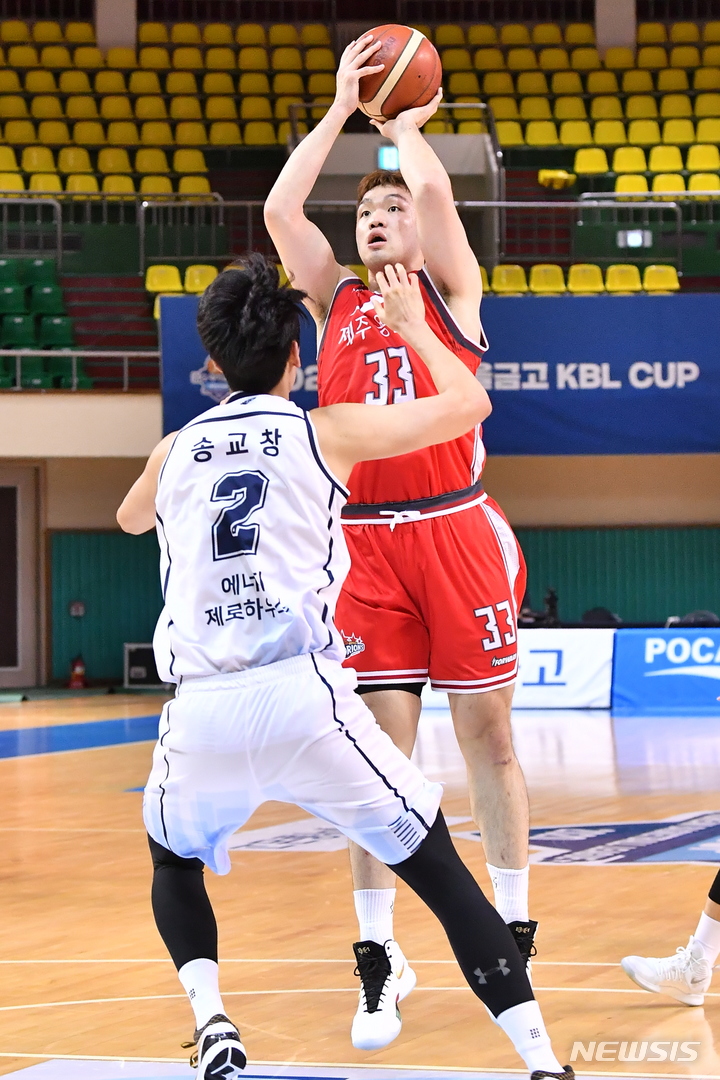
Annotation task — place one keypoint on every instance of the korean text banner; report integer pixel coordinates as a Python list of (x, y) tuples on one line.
[(188, 388), (603, 375)]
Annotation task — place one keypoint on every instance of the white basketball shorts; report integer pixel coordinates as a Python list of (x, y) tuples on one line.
[(296, 732)]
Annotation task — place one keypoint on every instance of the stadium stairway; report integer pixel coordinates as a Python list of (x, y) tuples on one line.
[(110, 312)]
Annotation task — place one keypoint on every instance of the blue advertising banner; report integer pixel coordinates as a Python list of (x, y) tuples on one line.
[(188, 388), (667, 672)]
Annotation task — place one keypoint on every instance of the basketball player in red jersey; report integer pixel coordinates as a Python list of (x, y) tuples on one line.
[(437, 576)]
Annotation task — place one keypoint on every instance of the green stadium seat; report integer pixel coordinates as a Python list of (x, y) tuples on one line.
[(47, 300), (60, 370), (18, 332), (12, 300), (33, 374), (38, 272), (56, 332), (10, 271)]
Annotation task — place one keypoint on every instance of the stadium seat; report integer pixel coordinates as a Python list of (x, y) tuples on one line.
[(149, 161), (631, 184), (224, 133), (284, 82), (255, 108), (80, 33), (123, 133), (681, 132), (645, 132), (704, 181), (162, 278), (37, 159), (10, 83), (190, 161), (88, 133), (320, 60), (637, 82), (88, 58), (651, 33), (155, 133), (609, 133), (675, 105), (652, 57), (83, 107), (33, 374), (663, 279), (567, 82), (465, 127), (113, 160), (23, 56), (711, 31), (532, 82), (585, 59), (509, 280), (154, 58), (484, 60), (707, 105), (619, 58), (78, 82), (259, 133), (8, 161), (20, 132), (685, 56), (13, 107), (494, 82), (665, 159), (629, 159), (554, 59), (449, 34), (118, 185), (220, 59), (40, 81), (220, 108), (217, 82), (703, 158), (45, 183), (641, 107), (706, 79), (465, 82), (185, 107), (606, 108), (483, 277), (314, 34), (198, 277), (602, 82), (193, 185), (121, 58), (152, 33), (708, 131), (181, 82), (156, 185), (509, 133), (39, 271), (55, 56), (521, 60), (664, 182), (190, 133), (53, 133), (575, 133), (147, 107), (56, 332), (253, 58), (547, 279), (185, 34), (188, 58), (11, 183), (514, 34), (283, 34), (47, 300), (482, 34), (456, 60), (672, 79), (579, 34), (535, 108), (590, 162), (683, 33), (319, 82), (541, 133), (282, 108), (74, 159), (12, 299), (18, 332), (623, 278), (47, 33), (711, 56), (118, 107), (546, 34), (14, 31), (250, 34)]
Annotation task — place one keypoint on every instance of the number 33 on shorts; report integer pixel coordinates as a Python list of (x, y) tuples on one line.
[(496, 636)]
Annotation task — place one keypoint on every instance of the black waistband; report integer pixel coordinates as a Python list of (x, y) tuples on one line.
[(435, 502)]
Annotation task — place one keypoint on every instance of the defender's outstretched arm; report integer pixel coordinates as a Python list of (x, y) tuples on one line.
[(137, 510)]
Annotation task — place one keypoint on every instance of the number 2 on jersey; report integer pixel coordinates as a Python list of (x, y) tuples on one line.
[(381, 378), (245, 492)]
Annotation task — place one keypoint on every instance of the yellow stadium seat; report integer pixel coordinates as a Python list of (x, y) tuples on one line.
[(461, 115), (116, 107), (509, 133), (185, 34), (13, 30), (48, 183), (188, 58), (704, 181), (225, 133), (456, 60), (579, 34), (284, 82), (181, 82), (707, 105), (23, 56), (106, 82), (46, 33), (532, 82), (82, 184), (605, 108), (259, 133), (644, 132), (619, 58), (708, 131), (314, 34), (152, 33), (495, 82), (188, 161), (80, 33), (53, 133), (148, 107), (652, 57), (185, 107), (255, 108), (10, 84), (151, 160), (547, 279), (20, 132), (668, 182), (77, 82), (487, 60), (683, 33), (250, 34), (575, 133), (40, 81), (320, 60), (703, 158), (13, 107), (448, 34), (641, 107), (591, 162), (190, 133), (287, 58), (282, 108), (651, 33), (521, 60), (660, 279), (623, 278), (155, 133), (509, 279), (541, 133), (554, 59), (665, 159), (8, 161), (631, 184), (253, 58), (121, 58), (637, 82), (144, 82), (220, 108), (438, 127), (610, 133), (11, 183), (193, 185), (112, 159), (673, 106), (568, 82), (706, 79), (546, 34), (283, 34), (602, 82), (221, 83), (482, 34), (681, 132), (319, 82), (156, 185), (629, 159), (483, 277), (685, 56), (198, 277), (74, 159), (220, 59), (55, 56), (38, 159), (711, 56), (471, 127), (671, 79), (122, 133), (585, 59), (514, 34), (464, 82), (217, 34), (711, 31), (535, 108), (154, 58), (88, 58)]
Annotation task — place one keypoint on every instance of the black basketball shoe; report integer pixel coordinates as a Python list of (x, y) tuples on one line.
[(220, 1055), (566, 1074), (524, 934)]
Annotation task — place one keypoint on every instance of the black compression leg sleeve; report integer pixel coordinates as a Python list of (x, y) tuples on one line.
[(483, 945), (714, 893), (183, 913)]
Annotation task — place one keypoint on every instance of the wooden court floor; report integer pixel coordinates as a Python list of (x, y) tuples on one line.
[(83, 972)]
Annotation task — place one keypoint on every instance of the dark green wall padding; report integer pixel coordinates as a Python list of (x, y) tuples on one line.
[(642, 574), (117, 578)]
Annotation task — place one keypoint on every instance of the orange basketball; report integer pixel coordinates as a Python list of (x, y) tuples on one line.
[(411, 76)]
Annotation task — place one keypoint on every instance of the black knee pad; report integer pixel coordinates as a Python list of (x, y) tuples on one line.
[(163, 857)]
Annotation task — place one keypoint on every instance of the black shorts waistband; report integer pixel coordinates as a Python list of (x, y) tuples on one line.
[(352, 511)]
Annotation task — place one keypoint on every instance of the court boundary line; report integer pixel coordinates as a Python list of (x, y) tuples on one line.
[(293, 960)]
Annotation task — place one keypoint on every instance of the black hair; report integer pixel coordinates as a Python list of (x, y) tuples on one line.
[(247, 322)]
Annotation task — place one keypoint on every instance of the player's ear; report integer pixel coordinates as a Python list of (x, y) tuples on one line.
[(294, 356), (213, 367)]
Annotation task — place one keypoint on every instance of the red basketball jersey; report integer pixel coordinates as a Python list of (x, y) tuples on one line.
[(362, 360)]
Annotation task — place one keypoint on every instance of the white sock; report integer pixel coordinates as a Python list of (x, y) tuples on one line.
[(374, 909), (524, 1026), (708, 935), (200, 981), (511, 892)]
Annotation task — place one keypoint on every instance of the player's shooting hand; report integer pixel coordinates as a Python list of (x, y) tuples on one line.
[(400, 304), (355, 62), (411, 119)]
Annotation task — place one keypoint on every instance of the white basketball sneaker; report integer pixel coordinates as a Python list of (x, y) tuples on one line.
[(685, 976), (220, 1054), (385, 979)]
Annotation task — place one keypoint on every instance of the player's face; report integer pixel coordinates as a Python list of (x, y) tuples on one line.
[(386, 229)]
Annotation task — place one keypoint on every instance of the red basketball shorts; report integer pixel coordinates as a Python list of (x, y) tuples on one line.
[(436, 597)]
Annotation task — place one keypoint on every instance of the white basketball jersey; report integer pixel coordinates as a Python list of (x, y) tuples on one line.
[(252, 550)]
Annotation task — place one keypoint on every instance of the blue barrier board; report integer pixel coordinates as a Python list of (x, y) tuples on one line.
[(666, 672)]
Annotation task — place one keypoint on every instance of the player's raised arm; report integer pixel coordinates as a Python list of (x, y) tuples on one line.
[(350, 433), (305, 252), (137, 510)]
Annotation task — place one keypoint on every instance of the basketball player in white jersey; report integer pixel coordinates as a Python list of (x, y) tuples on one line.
[(247, 500)]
